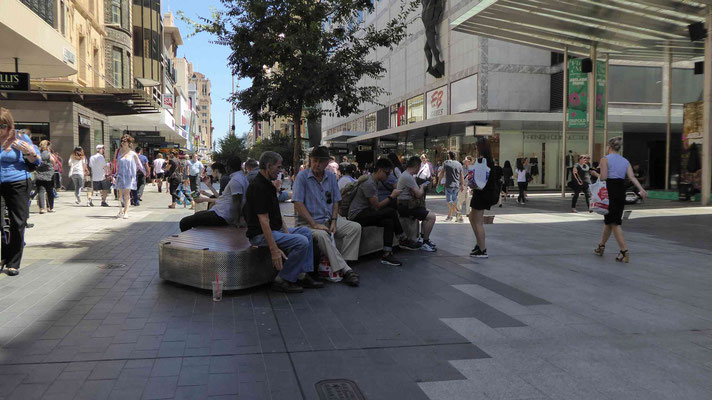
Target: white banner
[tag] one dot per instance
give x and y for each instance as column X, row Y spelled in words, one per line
column 437, row 102
column 168, row 100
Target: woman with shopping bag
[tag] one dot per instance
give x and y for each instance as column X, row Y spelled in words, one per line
column 614, row 169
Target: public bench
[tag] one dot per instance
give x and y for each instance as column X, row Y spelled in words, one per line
column 194, row 257
column 372, row 236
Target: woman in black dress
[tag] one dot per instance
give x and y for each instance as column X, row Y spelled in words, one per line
column 483, row 199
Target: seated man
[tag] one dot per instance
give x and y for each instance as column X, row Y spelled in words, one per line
column 251, row 169
column 265, row 227
column 316, row 202
column 410, row 191
column 368, row 211
column 228, row 207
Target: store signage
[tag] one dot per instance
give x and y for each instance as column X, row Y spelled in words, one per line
column 578, row 96
column 693, row 120
column 555, row 137
column 84, row 121
column 14, row 81
column 168, row 100
column 69, row 57
column 470, row 130
column 463, row 95
column 437, row 102
column 484, row 130
column 362, row 147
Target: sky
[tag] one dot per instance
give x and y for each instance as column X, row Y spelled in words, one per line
column 211, row 60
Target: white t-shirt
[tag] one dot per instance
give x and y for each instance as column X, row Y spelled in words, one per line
column 158, row 165
column 237, row 185
column 521, row 175
column 98, row 164
column 76, row 166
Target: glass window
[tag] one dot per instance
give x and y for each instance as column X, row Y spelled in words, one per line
column 416, row 109
column 118, row 64
column 397, row 114
column 116, row 12
column 138, row 41
column 371, row 122
column 686, row 86
column 634, row 84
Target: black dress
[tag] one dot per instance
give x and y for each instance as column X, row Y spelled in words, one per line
column 616, row 201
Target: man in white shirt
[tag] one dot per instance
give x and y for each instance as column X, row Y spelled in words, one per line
column 158, row 170
column 99, row 176
column 196, row 168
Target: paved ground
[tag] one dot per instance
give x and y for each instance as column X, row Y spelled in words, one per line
column 541, row 319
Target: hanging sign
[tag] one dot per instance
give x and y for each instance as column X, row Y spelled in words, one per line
column 600, row 93
column 14, row 81
column 577, row 96
column 168, row 100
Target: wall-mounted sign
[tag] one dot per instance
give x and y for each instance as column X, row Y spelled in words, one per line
column 69, row 57
column 84, row 121
column 14, row 81
column 168, row 100
column 464, row 94
column 484, row 130
column 363, row 147
column 470, row 130
column 578, row 96
column 437, row 102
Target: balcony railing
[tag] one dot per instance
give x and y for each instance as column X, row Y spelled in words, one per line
column 43, row 8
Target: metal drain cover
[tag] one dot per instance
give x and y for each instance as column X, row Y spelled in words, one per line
column 338, row 389
column 112, row 266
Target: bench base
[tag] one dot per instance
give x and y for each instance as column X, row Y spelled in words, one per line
column 372, row 236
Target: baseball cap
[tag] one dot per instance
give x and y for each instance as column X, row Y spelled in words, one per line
column 99, row 146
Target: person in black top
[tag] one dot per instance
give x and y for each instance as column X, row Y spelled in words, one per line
column 266, row 228
column 173, row 176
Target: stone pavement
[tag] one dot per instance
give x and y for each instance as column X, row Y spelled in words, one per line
column 541, row 319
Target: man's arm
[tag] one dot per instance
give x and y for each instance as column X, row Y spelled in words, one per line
column 380, row 204
column 276, row 253
column 301, row 209
column 417, row 191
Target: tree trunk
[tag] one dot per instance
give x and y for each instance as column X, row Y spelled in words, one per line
column 297, row 119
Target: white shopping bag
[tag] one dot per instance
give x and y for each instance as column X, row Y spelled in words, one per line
column 599, row 197
column 325, row 269
column 478, row 174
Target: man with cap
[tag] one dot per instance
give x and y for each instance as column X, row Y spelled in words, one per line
column 316, row 199
column 99, row 176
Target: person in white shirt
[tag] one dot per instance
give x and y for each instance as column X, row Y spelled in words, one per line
column 78, row 169
column 99, row 176
column 196, row 168
column 158, row 165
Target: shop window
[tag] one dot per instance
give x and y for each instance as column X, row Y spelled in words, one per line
column 397, row 114
column 686, row 86
column 416, row 109
column 635, row 84
column 371, row 122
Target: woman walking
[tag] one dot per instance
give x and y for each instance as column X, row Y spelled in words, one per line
column 582, row 180
column 173, row 176
column 45, row 178
column 127, row 163
column 16, row 152
column 483, row 199
column 507, row 173
column 522, row 183
column 77, row 169
column 614, row 170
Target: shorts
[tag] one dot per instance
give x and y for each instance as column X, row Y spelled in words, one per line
column 451, row 194
column 419, row 213
column 160, row 175
column 101, row 185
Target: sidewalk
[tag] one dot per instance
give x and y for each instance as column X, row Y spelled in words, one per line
column 541, row 319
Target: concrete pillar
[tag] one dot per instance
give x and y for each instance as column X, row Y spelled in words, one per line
column 668, row 62
column 707, row 129
column 563, row 124
column 592, row 101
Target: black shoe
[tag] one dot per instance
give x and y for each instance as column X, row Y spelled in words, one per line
column 309, row 283
column 351, row 278
column 104, row 204
column 409, row 244
column 388, row 259
column 431, row 244
column 286, row 287
column 478, row 253
column 13, row 272
column 28, row 225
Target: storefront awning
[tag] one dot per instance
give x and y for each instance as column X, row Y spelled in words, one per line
column 626, row 30
column 342, row 136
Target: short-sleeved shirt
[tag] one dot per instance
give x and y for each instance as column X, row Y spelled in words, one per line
column 318, row 197
column 13, row 167
column 453, row 172
column 76, row 166
column 143, row 159
column 345, row 180
column 98, row 165
column 196, row 167
column 405, row 183
column 360, row 201
column 158, row 165
column 237, row 185
column 262, row 199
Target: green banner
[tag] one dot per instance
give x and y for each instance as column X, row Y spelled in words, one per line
column 577, row 95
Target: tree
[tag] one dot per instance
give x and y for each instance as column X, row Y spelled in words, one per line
column 282, row 144
column 301, row 54
column 231, row 146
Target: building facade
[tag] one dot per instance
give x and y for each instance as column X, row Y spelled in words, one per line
column 118, row 45
column 204, row 105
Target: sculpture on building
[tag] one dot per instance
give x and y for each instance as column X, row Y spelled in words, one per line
column 432, row 12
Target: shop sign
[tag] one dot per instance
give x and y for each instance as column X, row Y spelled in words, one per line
column 14, row 81
column 484, row 130
column 168, row 100
column 552, row 137
column 578, row 96
column 84, row 121
column 69, row 57
column 363, row 147
column 437, row 102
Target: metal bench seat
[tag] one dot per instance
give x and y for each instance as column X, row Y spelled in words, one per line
column 194, row 257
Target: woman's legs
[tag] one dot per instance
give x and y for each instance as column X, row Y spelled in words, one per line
column 477, row 222
column 41, row 193
column 173, row 187
column 125, row 195
column 575, row 198
column 520, row 198
column 16, row 198
column 607, row 229
column 78, row 182
column 618, row 234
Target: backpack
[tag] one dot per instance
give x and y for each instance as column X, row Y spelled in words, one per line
column 348, row 193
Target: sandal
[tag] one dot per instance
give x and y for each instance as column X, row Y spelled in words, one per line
column 599, row 250
column 623, row 256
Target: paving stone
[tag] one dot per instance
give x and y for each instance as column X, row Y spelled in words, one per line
column 160, row 388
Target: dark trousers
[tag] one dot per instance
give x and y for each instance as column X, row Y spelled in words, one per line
column 386, row 217
column 193, row 183
column 137, row 194
column 173, row 188
column 45, row 188
column 578, row 191
column 522, row 187
column 201, row 218
column 16, row 197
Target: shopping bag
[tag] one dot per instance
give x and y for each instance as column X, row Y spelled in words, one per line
column 325, row 269
column 478, row 175
column 599, row 197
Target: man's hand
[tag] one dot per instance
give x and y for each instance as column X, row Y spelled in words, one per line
column 205, row 193
column 332, row 227
column 205, row 179
column 462, row 188
column 395, row 193
column 200, row 199
column 277, row 256
column 320, row 226
column 24, row 148
column 643, row 193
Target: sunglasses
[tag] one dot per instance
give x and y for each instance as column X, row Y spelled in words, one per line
column 328, row 197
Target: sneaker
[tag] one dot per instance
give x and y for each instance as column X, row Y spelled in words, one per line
column 478, row 253
column 428, row 248
column 90, row 204
column 309, row 283
column 420, row 240
column 448, row 218
column 286, row 287
column 104, row 204
column 460, row 219
column 388, row 259
column 409, row 244
column 431, row 244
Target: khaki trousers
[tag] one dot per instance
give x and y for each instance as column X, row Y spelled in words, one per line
column 348, row 240
column 463, row 202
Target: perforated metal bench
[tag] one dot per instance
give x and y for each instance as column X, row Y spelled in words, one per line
column 194, row 257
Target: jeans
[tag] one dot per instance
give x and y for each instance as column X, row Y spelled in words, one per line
column 137, row 195
column 173, row 188
column 451, row 194
column 45, row 188
column 297, row 245
column 385, row 217
column 15, row 196
column 78, row 181
column 193, row 183
column 201, row 218
column 583, row 189
column 522, row 187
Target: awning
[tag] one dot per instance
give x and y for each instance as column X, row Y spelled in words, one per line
column 625, row 29
column 342, row 136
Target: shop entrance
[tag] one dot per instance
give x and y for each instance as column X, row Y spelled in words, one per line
column 656, row 165
column 85, row 139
